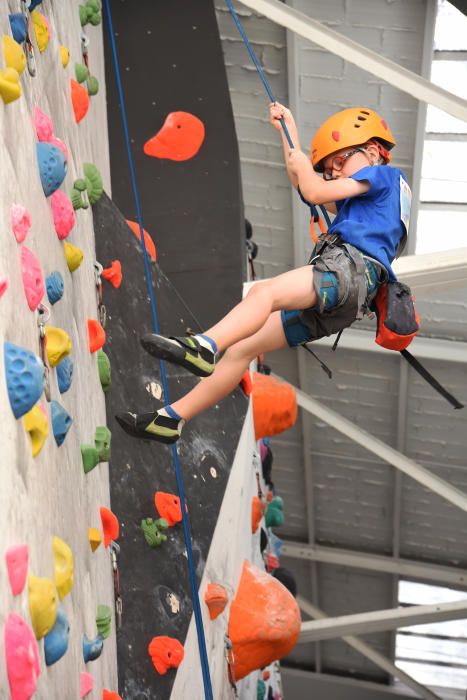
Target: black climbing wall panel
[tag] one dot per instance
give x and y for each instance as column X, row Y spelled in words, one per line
column 154, row 582
column 171, row 60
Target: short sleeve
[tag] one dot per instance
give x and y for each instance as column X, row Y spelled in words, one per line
column 379, row 177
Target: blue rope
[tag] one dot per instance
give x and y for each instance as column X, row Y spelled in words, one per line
column 178, row 473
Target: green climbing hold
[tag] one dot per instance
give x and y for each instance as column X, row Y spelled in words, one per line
column 90, row 13
column 102, row 441
column 260, row 690
column 103, row 365
column 76, row 198
column 94, row 184
column 152, row 531
column 104, row 620
column 90, row 457
column 93, row 85
column 81, row 72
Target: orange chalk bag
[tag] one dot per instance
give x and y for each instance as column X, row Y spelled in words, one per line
column 397, row 320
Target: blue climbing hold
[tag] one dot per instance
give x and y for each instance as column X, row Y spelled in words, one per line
column 33, row 4
column 24, row 378
column 92, row 648
column 55, row 286
column 18, row 27
column 52, row 166
column 64, row 374
column 56, row 641
column 61, row 422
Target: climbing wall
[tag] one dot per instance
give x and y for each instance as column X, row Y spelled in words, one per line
column 49, row 495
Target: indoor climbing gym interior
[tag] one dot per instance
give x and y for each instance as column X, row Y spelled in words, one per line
column 233, row 318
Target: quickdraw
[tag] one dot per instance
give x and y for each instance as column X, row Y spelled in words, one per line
column 27, row 44
column 114, row 552
column 230, row 661
column 43, row 315
column 101, row 310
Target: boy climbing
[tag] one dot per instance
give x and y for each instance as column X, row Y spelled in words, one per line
column 371, row 201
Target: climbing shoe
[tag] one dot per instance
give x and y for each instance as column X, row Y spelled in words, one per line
column 187, row 352
column 157, row 426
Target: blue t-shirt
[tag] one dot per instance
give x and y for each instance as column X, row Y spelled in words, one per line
column 376, row 221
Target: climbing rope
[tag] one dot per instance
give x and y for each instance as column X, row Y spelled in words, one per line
column 178, row 473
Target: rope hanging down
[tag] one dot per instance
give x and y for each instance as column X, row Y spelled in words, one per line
column 178, row 473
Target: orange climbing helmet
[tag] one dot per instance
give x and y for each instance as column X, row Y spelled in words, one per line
column 350, row 127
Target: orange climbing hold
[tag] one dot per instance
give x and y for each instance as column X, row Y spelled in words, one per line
column 110, row 525
column 110, row 695
column 79, row 100
column 168, row 507
column 150, row 247
column 266, row 675
column 165, row 652
column 180, row 137
column 264, row 623
column 113, row 274
column 274, row 405
column 257, row 512
column 246, row 383
column 96, row 335
column 216, row 598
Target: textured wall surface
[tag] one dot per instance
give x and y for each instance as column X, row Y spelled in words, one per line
column 50, row 495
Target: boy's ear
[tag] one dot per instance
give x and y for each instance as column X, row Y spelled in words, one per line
column 373, row 151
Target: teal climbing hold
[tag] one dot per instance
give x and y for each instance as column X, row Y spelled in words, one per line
column 55, row 286
column 153, row 531
column 64, row 374
column 61, row 422
column 260, row 690
column 24, row 377
column 104, row 620
column 56, row 641
column 92, row 648
column 103, row 365
column 274, row 516
column 52, row 166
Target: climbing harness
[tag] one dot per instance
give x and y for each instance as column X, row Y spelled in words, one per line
column 114, row 552
column 27, row 44
column 178, row 472
column 101, row 310
column 230, row 661
column 43, row 315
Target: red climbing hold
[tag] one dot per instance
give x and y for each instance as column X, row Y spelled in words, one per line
column 110, row 525
column 246, row 383
column 216, row 599
column 96, row 335
column 113, row 274
column 110, row 695
column 165, row 652
column 150, row 247
column 257, row 512
column 79, row 100
column 3, row 286
column 180, row 138
column 168, row 507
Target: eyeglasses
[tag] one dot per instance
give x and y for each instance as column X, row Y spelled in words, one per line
column 338, row 162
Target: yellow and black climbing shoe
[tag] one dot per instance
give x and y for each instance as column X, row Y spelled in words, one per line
column 157, row 426
column 187, row 352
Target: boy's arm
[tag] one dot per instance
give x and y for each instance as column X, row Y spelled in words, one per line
column 319, row 191
column 276, row 112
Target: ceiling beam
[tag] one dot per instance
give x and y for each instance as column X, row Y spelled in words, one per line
column 364, row 58
column 406, row 568
column 378, row 659
column 381, row 620
column 430, row 272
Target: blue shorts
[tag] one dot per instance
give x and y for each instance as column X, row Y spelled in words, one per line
column 296, row 332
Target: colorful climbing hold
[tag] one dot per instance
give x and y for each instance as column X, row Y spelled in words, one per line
column 43, row 125
column 52, row 166
column 74, row 256
column 56, row 641
column 20, row 221
column 17, row 561
column 58, row 345
column 93, row 85
column 18, row 26
column 90, row 13
column 104, row 620
column 64, row 375
column 92, row 648
column 41, row 29
column 55, row 286
column 89, row 457
column 257, row 512
column 110, row 695
column 149, row 243
column 14, row 54
column 24, row 377
column 86, row 684
column 22, row 658
column 94, row 185
column 42, row 605
column 216, row 598
column 180, row 137
column 166, row 653
column 4, row 286
column 153, row 531
column 55, row 141
column 113, row 274
column 79, row 100
column 94, row 538
column 96, row 335
column 81, row 72
column 36, row 424
column 63, row 214
column 61, row 422
column 274, row 513
column 102, row 441
column 168, row 507
column 10, row 89
column 260, row 689
column 103, row 366
column 64, row 55
column 33, row 281
column 274, row 405
column 246, row 383
column 110, row 525
column 63, row 567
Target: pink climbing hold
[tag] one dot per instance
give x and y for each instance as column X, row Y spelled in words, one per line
column 86, row 684
column 63, row 213
column 33, row 280
column 43, row 125
column 17, row 561
column 22, row 659
column 3, row 286
column 55, row 141
column 20, row 222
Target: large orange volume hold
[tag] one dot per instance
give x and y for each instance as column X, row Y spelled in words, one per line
column 264, row 623
column 274, row 405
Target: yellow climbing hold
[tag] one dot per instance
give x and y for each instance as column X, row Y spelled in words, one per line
column 14, row 54
column 42, row 605
column 64, row 55
column 74, row 256
column 41, row 29
column 94, row 538
column 37, row 425
column 10, row 89
column 63, row 567
column 58, row 345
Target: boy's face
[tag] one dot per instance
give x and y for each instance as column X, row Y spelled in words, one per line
column 348, row 161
